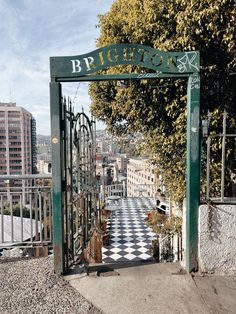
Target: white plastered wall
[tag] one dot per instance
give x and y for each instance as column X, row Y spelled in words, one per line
column 217, row 239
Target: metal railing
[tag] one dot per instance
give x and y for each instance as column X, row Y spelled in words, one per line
column 170, row 248
column 116, row 189
column 218, row 162
column 142, row 189
column 25, row 211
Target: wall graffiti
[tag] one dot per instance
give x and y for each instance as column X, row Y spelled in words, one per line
column 188, row 63
column 195, row 82
column 148, row 75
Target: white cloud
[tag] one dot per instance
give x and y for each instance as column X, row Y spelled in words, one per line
column 31, row 32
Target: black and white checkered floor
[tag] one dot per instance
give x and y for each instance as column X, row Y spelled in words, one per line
column 130, row 237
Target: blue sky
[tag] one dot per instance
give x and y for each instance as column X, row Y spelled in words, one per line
column 32, row 31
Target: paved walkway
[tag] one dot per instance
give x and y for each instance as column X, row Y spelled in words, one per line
column 154, row 288
column 130, row 237
column 131, row 283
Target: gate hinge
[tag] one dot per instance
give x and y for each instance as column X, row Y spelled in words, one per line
column 62, row 124
column 63, row 185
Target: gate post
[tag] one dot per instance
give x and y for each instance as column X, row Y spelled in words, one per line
column 193, row 172
column 57, row 177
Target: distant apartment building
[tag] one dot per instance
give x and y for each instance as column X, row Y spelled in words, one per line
column 122, row 161
column 142, row 178
column 44, row 167
column 102, row 146
column 17, row 140
column 106, row 146
column 44, row 151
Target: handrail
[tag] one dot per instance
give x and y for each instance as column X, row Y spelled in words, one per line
column 25, row 212
column 25, row 177
column 171, row 251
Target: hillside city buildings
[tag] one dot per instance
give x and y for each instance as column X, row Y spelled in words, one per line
column 113, row 166
column 44, row 154
column 142, row 178
column 139, row 177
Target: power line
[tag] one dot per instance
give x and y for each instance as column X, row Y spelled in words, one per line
column 77, row 89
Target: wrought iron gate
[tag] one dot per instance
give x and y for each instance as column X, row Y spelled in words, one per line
column 159, row 65
column 79, row 197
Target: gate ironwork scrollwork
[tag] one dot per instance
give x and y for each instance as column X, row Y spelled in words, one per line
column 156, row 64
column 80, row 196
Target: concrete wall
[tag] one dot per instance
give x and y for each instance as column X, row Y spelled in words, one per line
column 217, row 239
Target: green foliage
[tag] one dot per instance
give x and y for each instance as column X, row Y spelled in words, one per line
column 16, row 211
column 157, row 108
column 162, row 224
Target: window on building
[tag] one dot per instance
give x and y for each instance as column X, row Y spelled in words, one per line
column 15, row 155
column 14, row 131
column 15, row 167
column 14, row 124
column 15, row 161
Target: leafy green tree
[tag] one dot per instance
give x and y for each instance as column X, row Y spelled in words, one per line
column 157, row 108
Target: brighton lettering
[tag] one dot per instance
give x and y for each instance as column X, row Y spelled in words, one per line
column 76, row 64
column 122, row 55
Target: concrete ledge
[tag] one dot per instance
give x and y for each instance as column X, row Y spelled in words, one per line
column 145, row 289
column 158, row 288
column 217, row 239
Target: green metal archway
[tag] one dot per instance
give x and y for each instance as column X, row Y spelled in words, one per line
column 162, row 65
